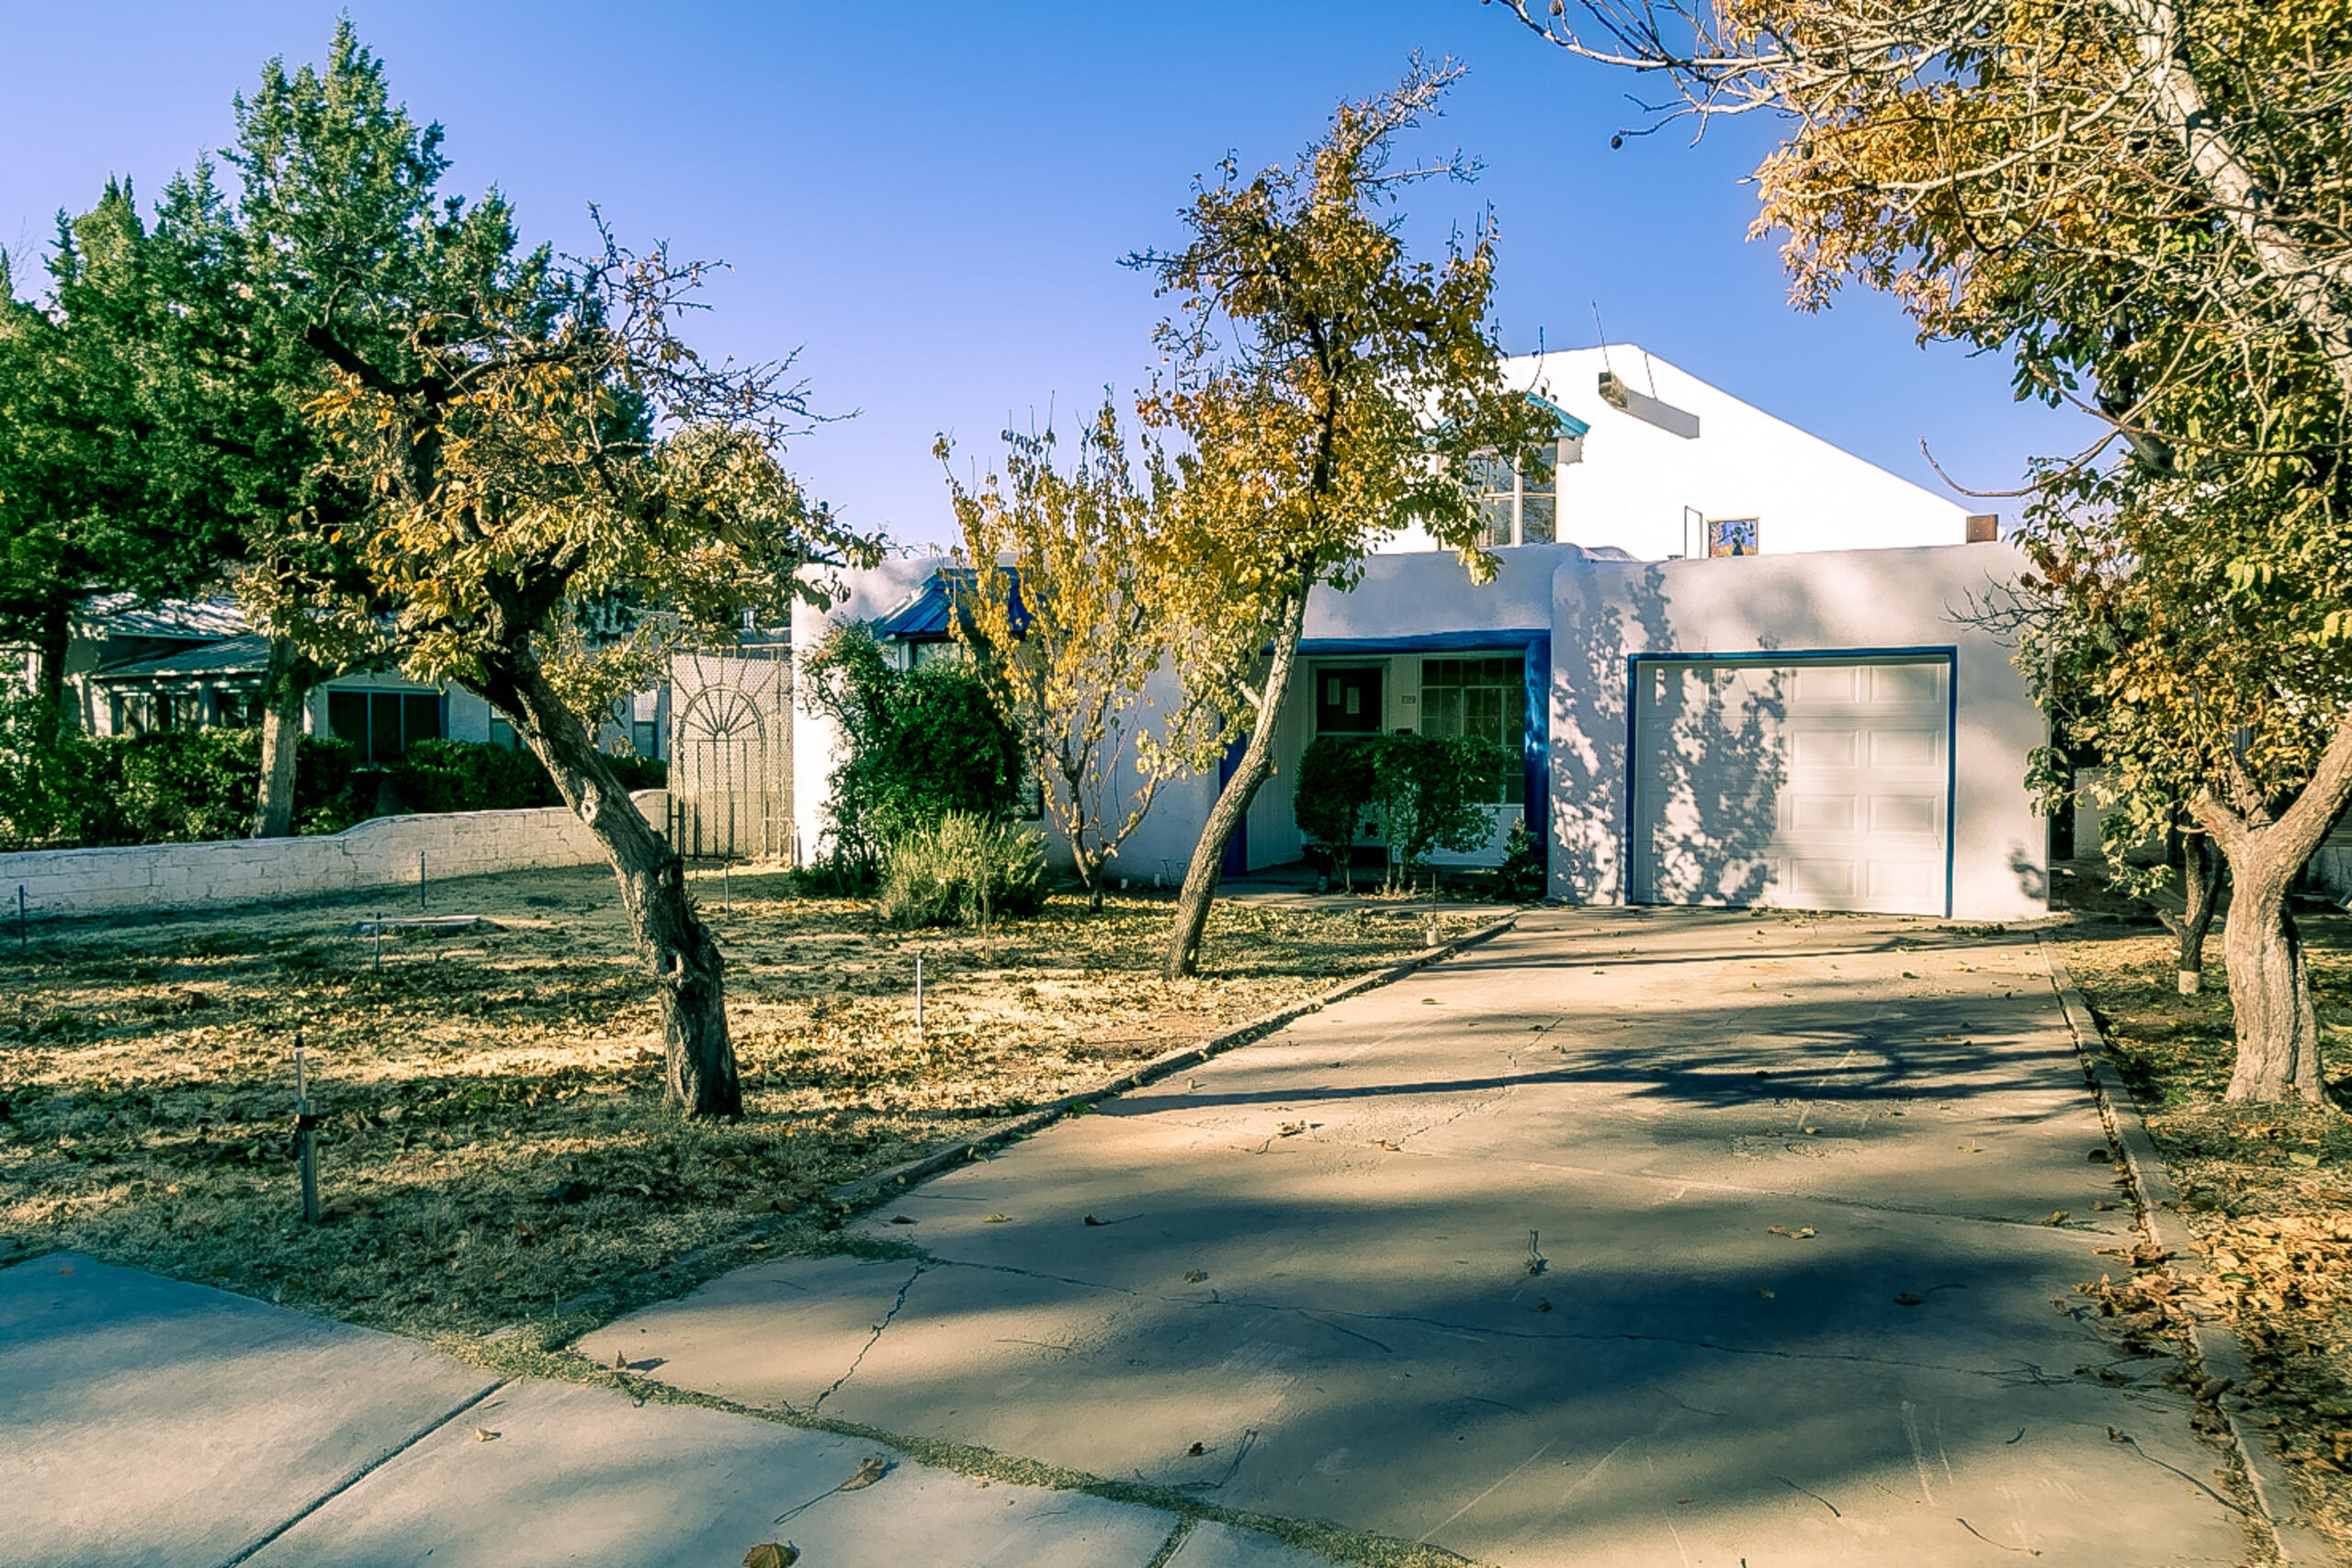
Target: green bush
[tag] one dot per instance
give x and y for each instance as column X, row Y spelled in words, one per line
column 917, row 745
column 471, row 775
column 1432, row 793
column 1519, row 880
column 637, row 772
column 65, row 789
column 964, row 869
column 1333, row 795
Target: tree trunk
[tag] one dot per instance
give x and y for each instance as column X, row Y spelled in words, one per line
column 2200, row 886
column 284, row 686
column 1201, row 872
column 2270, row 982
column 54, row 639
column 699, row 1077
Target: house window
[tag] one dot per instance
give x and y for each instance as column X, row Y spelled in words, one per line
column 382, row 726
column 641, row 737
column 134, row 713
column 1730, row 536
column 1519, row 503
column 1482, row 699
column 501, row 732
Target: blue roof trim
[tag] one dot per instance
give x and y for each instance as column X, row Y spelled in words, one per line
column 1570, row 425
column 924, row 615
column 1513, row 639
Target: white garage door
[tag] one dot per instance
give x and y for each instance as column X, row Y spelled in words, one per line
column 1812, row 786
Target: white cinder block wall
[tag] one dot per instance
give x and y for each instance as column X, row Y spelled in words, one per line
column 379, row 852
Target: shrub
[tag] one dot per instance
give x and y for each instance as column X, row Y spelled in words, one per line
column 1432, row 793
column 637, row 772
column 964, row 869
column 65, row 788
column 1332, row 799
column 917, row 745
column 472, row 775
column 1519, row 880
column 48, row 775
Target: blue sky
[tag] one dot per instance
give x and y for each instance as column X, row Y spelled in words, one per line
column 929, row 203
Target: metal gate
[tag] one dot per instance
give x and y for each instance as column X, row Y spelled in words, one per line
column 730, row 754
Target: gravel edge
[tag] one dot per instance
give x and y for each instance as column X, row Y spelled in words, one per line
column 2295, row 1539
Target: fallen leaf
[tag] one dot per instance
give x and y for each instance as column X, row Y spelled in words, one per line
column 1764, row 1292
column 1093, row 1221
column 1194, row 1277
column 2101, row 1204
column 1800, row 1234
column 996, row 1219
column 902, row 1219
column 1392, row 1148
column 620, row 1360
column 1197, row 1449
column 1428, row 1002
column 2057, row 1217
column 2308, row 1162
column 1908, row 1299
column 1542, row 1306
column 2101, row 1156
column 1289, row 1129
column 869, row 1471
column 484, row 1435
column 771, row 1554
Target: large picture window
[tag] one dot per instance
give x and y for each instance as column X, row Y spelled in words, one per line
column 1482, row 699
column 1519, row 503
column 381, row 726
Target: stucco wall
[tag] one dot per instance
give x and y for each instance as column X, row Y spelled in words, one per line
column 1876, row 599
column 380, row 853
column 1636, row 478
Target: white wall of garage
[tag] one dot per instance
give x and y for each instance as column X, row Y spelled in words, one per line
column 1830, row 600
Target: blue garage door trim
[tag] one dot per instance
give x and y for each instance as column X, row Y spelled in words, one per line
column 1947, row 652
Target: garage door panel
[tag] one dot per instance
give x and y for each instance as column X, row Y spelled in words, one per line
column 1804, row 787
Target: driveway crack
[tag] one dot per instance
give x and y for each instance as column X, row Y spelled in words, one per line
column 876, row 1339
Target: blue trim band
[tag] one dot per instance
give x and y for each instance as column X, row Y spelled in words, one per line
column 1427, row 642
column 1536, row 755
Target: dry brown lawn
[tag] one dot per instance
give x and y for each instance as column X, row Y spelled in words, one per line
column 494, row 1144
column 2268, row 1189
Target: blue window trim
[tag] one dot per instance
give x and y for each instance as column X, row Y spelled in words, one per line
column 1774, row 659
column 1499, row 641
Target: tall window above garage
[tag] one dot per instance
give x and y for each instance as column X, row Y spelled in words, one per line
column 1482, row 698
column 1519, row 503
column 381, row 726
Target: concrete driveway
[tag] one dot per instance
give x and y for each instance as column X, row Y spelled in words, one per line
column 1631, row 1237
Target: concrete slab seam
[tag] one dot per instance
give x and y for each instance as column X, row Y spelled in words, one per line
column 866, row 1188
column 364, row 1471
column 2293, row 1536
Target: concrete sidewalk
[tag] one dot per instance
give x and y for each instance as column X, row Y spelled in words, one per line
column 145, row 1421
column 1631, row 1237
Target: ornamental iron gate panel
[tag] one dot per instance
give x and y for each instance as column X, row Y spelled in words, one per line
column 730, row 754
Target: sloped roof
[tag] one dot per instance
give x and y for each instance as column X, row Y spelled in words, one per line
column 922, row 615
column 122, row 614
column 247, row 655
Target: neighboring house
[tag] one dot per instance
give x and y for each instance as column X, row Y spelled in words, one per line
column 1804, row 716
column 132, row 669
column 1656, row 462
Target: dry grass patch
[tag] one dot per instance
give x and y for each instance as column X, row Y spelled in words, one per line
column 493, row 1140
column 2268, row 1189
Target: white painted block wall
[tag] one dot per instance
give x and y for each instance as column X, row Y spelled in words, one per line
column 379, row 852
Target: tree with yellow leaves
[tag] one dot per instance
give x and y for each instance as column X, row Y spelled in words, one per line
column 1065, row 608
column 2143, row 203
column 563, row 491
column 1328, row 388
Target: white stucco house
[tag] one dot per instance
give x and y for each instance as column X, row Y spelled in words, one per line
column 1738, row 666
